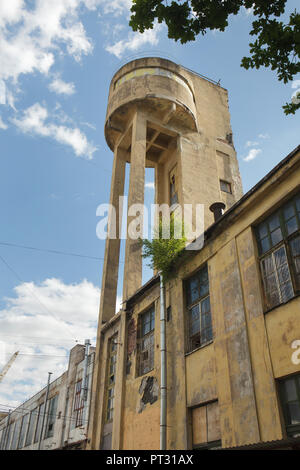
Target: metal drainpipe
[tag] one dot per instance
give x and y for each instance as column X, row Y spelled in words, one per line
column 45, row 409
column 163, row 369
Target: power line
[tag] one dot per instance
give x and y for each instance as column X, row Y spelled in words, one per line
column 41, row 355
column 56, row 252
column 19, row 409
column 36, row 337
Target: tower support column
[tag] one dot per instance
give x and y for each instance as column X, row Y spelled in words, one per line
column 108, row 293
column 112, row 247
column 133, row 252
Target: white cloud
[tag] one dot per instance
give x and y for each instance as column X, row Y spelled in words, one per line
column 251, row 143
column 296, row 83
column 149, row 185
column 253, row 153
column 35, row 121
column 11, row 12
column 263, row 136
column 44, row 318
column 88, row 124
column 248, row 11
column 61, row 87
column 134, row 41
column 115, row 7
column 2, row 124
column 2, row 92
column 31, row 38
column 296, row 96
column 75, row 138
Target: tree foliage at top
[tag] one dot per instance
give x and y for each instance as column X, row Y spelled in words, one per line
column 276, row 44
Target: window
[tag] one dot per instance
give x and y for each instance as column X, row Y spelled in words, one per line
column 173, row 187
column 278, row 240
column 198, row 306
column 3, row 431
column 23, row 431
column 39, row 423
column 15, row 436
column 51, row 416
column 206, row 426
column 225, row 186
column 111, row 378
column 290, row 400
column 146, row 341
column 31, row 427
column 78, row 404
column 8, row 436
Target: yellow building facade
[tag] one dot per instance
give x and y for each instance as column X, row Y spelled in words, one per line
column 233, row 306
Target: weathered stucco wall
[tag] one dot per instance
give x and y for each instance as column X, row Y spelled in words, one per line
column 283, row 328
column 250, row 348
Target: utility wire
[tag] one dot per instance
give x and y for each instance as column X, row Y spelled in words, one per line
column 56, row 252
column 36, row 337
column 41, row 355
column 19, row 409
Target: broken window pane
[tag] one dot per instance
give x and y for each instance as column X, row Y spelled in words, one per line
column 276, row 278
column 199, row 315
column 146, row 342
column 110, row 379
column 295, row 252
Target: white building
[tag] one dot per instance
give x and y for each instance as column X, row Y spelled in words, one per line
column 65, row 421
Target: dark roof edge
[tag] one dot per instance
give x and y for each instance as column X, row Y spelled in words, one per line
column 154, row 280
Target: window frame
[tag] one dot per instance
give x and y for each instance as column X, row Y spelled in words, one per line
column 173, row 186
column 189, row 306
column 225, row 184
column 15, row 434
column 23, row 431
column 150, row 335
column 112, row 351
column 31, row 427
column 51, row 416
column 39, row 419
column 285, row 242
column 289, row 428
column 78, row 403
column 216, row 443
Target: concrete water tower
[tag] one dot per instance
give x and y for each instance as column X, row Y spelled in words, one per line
column 164, row 116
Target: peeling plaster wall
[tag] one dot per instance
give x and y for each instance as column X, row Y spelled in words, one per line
column 141, row 410
column 250, row 349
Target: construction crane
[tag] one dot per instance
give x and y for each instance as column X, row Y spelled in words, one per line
column 8, row 365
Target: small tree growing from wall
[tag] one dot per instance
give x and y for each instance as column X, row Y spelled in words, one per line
column 163, row 251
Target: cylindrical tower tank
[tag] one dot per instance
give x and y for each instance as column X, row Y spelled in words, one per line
column 160, row 86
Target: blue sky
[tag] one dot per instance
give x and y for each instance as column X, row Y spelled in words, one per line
column 58, row 57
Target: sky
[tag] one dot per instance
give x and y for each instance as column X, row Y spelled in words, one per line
column 57, row 58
